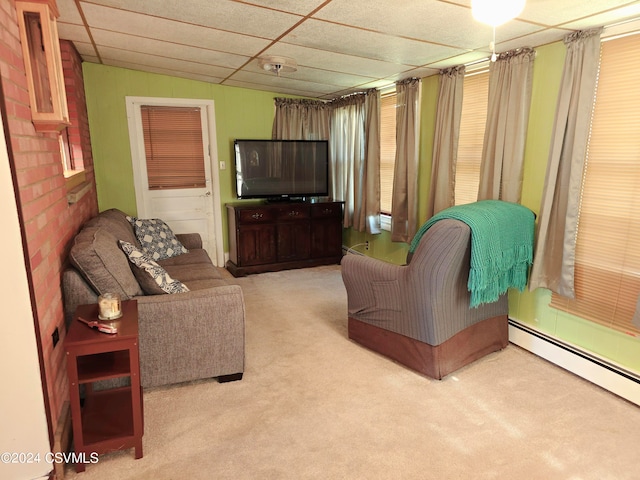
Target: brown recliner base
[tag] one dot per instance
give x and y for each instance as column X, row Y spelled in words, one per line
column 470, row 344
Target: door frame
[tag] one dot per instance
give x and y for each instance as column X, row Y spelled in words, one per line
column 136, row 140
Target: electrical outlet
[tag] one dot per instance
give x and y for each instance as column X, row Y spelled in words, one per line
column 366, row 245
column 223, row 165
column 55, row 337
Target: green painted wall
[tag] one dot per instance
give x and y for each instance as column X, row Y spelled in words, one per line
column 249, row 114
column 240, row 113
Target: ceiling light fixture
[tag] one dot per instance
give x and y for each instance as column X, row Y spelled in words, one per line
column 496, row 13
column 277, row 64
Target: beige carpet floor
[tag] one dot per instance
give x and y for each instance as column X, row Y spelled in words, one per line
column 314, row 405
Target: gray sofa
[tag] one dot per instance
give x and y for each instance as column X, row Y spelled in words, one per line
column 183, row 336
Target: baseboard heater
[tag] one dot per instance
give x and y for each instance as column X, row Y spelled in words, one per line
column 597, row 370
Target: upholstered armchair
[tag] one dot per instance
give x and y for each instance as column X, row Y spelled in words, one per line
column 419, row 314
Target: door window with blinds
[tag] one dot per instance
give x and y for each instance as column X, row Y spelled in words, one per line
column 607, row 264
column 173, row 147
column 472, row 126
column 387, row 149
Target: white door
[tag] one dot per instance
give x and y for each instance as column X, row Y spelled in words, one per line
column 185, row 210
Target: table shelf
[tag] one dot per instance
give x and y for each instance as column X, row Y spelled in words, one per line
column 103, row 366
column 107, row 415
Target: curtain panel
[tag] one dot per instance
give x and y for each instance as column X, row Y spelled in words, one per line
column 510, row 80
column 447, row 133
column 404, row 203
column 355, row 159
column 301, row 119
column 554, row 260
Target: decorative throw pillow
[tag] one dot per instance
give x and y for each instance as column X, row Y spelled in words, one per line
column 157, row 238
column 153, row 279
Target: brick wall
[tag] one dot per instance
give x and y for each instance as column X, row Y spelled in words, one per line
column 49, row 222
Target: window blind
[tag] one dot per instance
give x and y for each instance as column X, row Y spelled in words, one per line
column 607, row 272
column 472, row 125
column 173, row 147
column 387, row 149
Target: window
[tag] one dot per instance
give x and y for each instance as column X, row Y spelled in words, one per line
column 43, row 65
column 65, row 153
column 387, row 149
column 173, row 147
column 607, row 273
column 472, row 126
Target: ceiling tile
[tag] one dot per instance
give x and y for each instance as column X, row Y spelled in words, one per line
column 367, row 44
column 75, row 33
column 164, row 71
column 104, row 38
column 336, row 62
column 336, row 79
column 341, row 46
column 283, row 81
column 171, row 31
column 222, row 14
column 554, row 12
column 109, row 53
column 607, row 18
column 69, row 11
column 300, row 7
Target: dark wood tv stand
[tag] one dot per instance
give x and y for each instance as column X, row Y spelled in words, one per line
column 279, row 236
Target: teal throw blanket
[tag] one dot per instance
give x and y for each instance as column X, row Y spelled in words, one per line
column 501, row 246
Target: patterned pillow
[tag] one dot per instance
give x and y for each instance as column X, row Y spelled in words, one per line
column 156, row 238
column 153, row 278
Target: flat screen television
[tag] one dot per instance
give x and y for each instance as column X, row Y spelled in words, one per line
column 282, row 169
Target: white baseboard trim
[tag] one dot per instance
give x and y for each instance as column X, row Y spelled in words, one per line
column 615, row 378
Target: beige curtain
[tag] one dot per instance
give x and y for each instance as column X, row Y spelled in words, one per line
column 554, row 259
column 355, row 159
column 506, row 129
column 369, row 218
column 301, row 119
column 404, row 204
column 445, row 147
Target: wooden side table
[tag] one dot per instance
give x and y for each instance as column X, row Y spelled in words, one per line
column 111, row 419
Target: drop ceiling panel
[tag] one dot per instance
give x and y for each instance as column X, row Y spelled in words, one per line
column 554, row 12
column 171, row 31
column 336, row 62
column 169, row 50
column 607, row 18
column 75, row 33
column 428, row 20
column 335, row 79
column 341, row 46
column 283, row 81
column 69, row 11
column 367, row 44
column 300, row 7
column 110, row 55
column 222, row 14
column 165, row 71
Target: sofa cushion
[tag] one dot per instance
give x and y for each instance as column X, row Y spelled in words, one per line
column 153, row 279
column 156, row 238
column 194, row 257
column 98, row 257
column 189, row 273
column 116, row 223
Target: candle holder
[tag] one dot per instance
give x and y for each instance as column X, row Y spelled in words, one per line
column 109, row 306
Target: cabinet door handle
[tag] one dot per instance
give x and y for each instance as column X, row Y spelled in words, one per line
column 327, row 211
column 257, row 216
column 294, row 213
